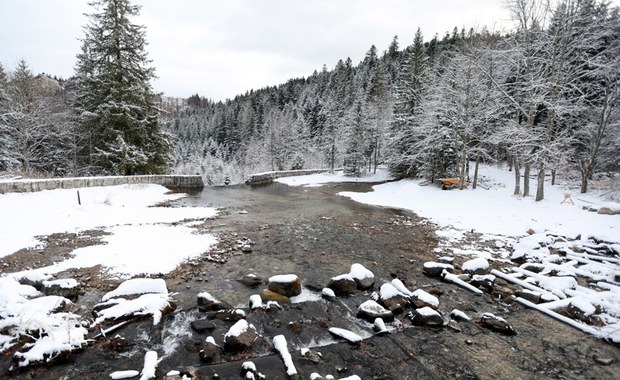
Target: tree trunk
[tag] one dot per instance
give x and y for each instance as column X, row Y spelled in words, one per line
column 526, row 178
column 509, row 159
column 475, row 184
column 585, row 174
column 553, row 172
column 540, row 185
column 517, row 176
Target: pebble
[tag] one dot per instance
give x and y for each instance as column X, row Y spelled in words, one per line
column 602, row 360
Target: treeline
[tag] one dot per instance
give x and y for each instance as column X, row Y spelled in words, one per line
column 543, row 97
column 104, row 120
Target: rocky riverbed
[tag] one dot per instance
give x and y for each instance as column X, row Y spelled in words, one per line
column 317, row 236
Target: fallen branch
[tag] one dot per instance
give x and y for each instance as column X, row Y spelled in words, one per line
column 456, row 280
column 559, row 317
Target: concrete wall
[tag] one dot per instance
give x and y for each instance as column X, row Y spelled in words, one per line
column 29, row 185
column 268, row 177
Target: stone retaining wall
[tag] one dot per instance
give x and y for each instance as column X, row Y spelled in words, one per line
column 30, row 185
column 268, row 177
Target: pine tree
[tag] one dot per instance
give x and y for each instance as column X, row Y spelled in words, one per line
column 115, row 103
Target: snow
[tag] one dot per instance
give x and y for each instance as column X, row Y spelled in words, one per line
column 146, row 304
column 256, row 302
column 279, row 343
column 238, row 328
column 380, row 325
column 387, row 291
column 372, row 307
column 65, row 283
column 496, row 210
column 248, row 366
column 306, row 296
column 359, row 272
column 426, row 297
column 284, row 278
column 124, row 374
column 479, row 263
column 327, row 292
column 56, row 211
column 398, row 284
column 459, row 314
column 584, row 305
column 313, row 180
column 427, row 312
column 150, row 365
column 138, row 286
column 346, row 334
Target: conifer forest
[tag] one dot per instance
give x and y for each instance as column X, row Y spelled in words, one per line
column 542, row 98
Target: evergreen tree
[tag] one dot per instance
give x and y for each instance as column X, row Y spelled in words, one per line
column 115, row 104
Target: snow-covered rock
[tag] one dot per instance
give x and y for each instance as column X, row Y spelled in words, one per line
column 149, row 371
column 207, row 302
column 154, row 305
column 328, row 293
column 426, row 316
column 393, row 300
column 371, row 310
column 398, row 284
column 343, row 285
column 345, row 334
column 477, row 265
column 137, row 286
column 240, row 336
column 65, row 287
column 458, row 315
column 364, row 278
column 209, row 351
column 421, row 298
column 379, row 326
column 434, row 269
column 288, row 285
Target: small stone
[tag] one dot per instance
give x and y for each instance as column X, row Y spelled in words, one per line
column 496, row 323
column 469, row 342
column 483, row 281
column 311, row 357
column 201, row 326
column 454, row 325
column 246, row 248
column 530, row 295
column 602, row 360
column 250, row 280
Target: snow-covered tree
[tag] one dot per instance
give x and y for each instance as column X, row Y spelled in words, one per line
column 115, row 104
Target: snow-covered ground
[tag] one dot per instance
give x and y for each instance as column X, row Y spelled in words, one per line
column 138, row 231
column 490, row 209
column 314, row 180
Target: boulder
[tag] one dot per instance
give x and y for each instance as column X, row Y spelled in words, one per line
column 364, row 278
column 240, row 336
column 426, row 316
column 288, row 285
column 343, row 285
column 392, row 299
column 497, row 324
column 206, row 302
column 66, row 287
column 201, row 326
column 581, row 309
column 209, row 352
column 371, row 310
column 485, row 281
column 434, row 269
column 420, row 298
column 268, row 295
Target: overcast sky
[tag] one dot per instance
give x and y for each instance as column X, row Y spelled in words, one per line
column 222, row 48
